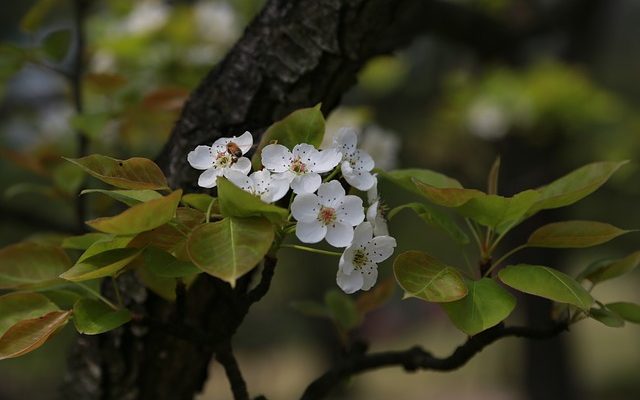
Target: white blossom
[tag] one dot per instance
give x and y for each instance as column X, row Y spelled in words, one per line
column 329, row 214
column 262, row 183
column 358, row 267
column 219, row 158
column 375, row 214
column 146, row 17
column 356, row 164
column 382, row 145
column 301, row 166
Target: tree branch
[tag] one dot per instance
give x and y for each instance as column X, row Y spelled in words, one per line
column 228, row 360
column 416, row 358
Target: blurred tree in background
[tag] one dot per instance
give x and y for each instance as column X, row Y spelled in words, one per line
column 548, row 85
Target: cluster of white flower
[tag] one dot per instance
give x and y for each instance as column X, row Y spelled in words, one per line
column 322, row 210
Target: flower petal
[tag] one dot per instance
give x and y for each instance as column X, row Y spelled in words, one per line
column 351, row 211
column 277, row 189
column 221, row 142
column 362, row 234
column 305, row 207
column 370, row 275
column 240, row 180
column 346, row 141
column 244, row 141
column 307, row 183
column 325, row 160
column 372, row 194
column 310, row 232
column 243, row 165
column 349, row 283
column 331, row 193
column 362, row 160
column 201, row 158
column 346, row 260
column 208, row 178
column 305, row 152
column 261, row 179
column 276, row 158
column 339, row 235
column 361, row 180
column 380, row 248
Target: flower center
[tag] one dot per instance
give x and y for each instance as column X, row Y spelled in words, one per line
column 298, row 167
column 360, row 259
column 223, row 159
column 327, row 215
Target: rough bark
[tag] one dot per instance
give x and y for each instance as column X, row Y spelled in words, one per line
column 294, row 54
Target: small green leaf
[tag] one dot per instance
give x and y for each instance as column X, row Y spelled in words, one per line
column 15, row 307
column 28, row 335
column 629, row 311
column 486, row 305
column 91, row 125
column 235, row 202
column 422, row 276
column 497, row 212
column 434, row 218
column 134, row 173
column 128, row 197
column 83, row 242
column 102, row 245
column 446, row 197
column 575, row 185
column 67, row 178
column 107, row 263
column 92, row 317
column 343, row 310
column 614, row 269
column 405, row 179
column 573, row 234
column 607, row 317
column 165, row 265
column 305, row 125
column 230, row 248
column 546, row 282
column 200, row 201
column 311, row 308
column 492, row 179
column 141, row 217
column 30, row 265
column 56, row 44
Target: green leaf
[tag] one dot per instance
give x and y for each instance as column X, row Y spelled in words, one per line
column 102, row 245
column 141, row 217
column 230, row 248
column 67, row 178
column 65, row 298
column 128, row 197
column 434, row 218
column 107, row 263
column 573, row 234
column 15, row 307
column 163, row 287
column 235, row 202
column 497, row 212
column 486, row 305
column 606, row 317
column 83, row 242
column 30, row 265
column 165, row 265
column 91, row 125
column 29, row 334
column 134, row 173
column 305, row 125
column 56, row 44
column 492, row 179
column 311, row 308
column 446, row 197
column 200, row 201
column 575, row 185
column 405, row 179
column 629, row 311
column 92, row 317
column 422, row 276
column 343, row 310
column 546, row 282
column 614, row 269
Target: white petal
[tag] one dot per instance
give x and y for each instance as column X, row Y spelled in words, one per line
column 369, row 275
column 351, row 211
column 305, row 207
column 244, row 141
column 325, row 160
column 372, row 212
column 278, row 188
column 380, row 227
column 345, row 141
column 208, row 178
column 243, row 165
column 346, row 260
column 350, row 283
column 339, row 235
column 361, row 180
column 331, row 193
column 362, row 234
column 305, row 152
column 240, row 180
column 276, row 158
column 307, row 183
column 201, row 158
column 221, row 142
column 261, row 179
column 362, row 160
column 310, row 232
column 372, row 194
column 380, row 248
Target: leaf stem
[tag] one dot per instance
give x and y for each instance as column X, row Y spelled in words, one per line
column 209, row 211
column 312, row 250
column 333, row 173
column 475, row 235
column 116, row 289
column 504, row 257
column 98, row 295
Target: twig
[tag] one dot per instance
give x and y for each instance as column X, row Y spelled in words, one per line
column 263, row 287
column 226, row 357
column 416, row 358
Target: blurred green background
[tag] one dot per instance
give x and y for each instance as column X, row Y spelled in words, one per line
column 570, row 97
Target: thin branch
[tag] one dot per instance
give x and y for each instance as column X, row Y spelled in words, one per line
column 228, row 360
column 265, row 282
column 416, row 358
